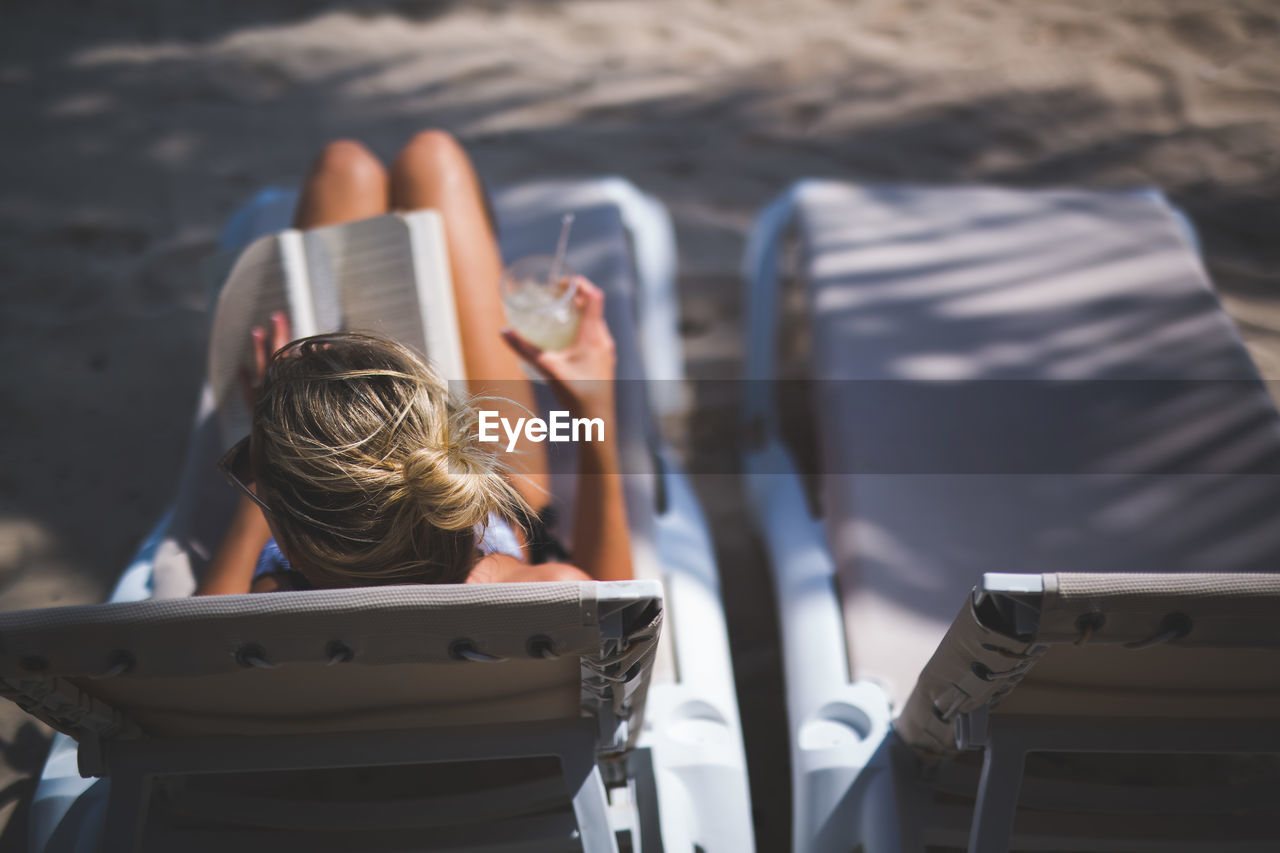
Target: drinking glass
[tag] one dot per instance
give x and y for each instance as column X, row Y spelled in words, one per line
column 541, row 310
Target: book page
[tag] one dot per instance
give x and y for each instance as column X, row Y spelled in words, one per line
column 362, row 280
column 388, row 276
column 439, row 313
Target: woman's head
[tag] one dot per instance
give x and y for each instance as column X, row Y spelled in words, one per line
column 371, row 467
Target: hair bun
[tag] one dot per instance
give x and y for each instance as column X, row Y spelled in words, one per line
column 451, row 487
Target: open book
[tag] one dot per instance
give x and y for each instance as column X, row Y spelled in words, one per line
column 387, row 276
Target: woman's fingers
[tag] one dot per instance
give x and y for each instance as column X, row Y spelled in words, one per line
column 524, row 348
column 280, row 336
column 266, row 343
column 544, row 362
column 591, row 301
column 280, row 333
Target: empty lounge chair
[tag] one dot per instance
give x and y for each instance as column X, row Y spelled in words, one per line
column 1004, row 383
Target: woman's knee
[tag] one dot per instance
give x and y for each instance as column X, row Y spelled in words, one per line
column 435, row 153
column 350, row 162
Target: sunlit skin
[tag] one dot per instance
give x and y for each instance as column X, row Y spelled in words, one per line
column 347, row 183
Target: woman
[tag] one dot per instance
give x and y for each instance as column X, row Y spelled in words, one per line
column 365, row 471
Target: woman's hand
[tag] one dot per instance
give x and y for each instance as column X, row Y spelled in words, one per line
column 266, row 343
column 581, row 374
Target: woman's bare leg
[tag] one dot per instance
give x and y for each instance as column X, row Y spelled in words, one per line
column 346, row 183
column 433, row 171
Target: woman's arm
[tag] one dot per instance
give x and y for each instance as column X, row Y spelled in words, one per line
column 231, row 570
column 601, row 538
column 582, row 378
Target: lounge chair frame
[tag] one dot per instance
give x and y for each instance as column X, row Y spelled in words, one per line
column 836, row 726
column 692, row 725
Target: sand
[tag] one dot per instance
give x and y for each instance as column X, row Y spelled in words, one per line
column 128, row 136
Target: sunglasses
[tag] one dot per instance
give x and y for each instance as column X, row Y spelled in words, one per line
column 239, row 473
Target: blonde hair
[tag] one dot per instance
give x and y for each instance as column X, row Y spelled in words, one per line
column 372, row 468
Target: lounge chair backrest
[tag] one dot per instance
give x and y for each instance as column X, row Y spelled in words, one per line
column 1202, row 647
column 389, row 658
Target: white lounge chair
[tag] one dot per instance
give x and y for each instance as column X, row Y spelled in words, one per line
column 677, row 782
column 180, row 702
column 1003, row 382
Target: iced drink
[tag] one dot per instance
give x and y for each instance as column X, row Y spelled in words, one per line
column 542, row 311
